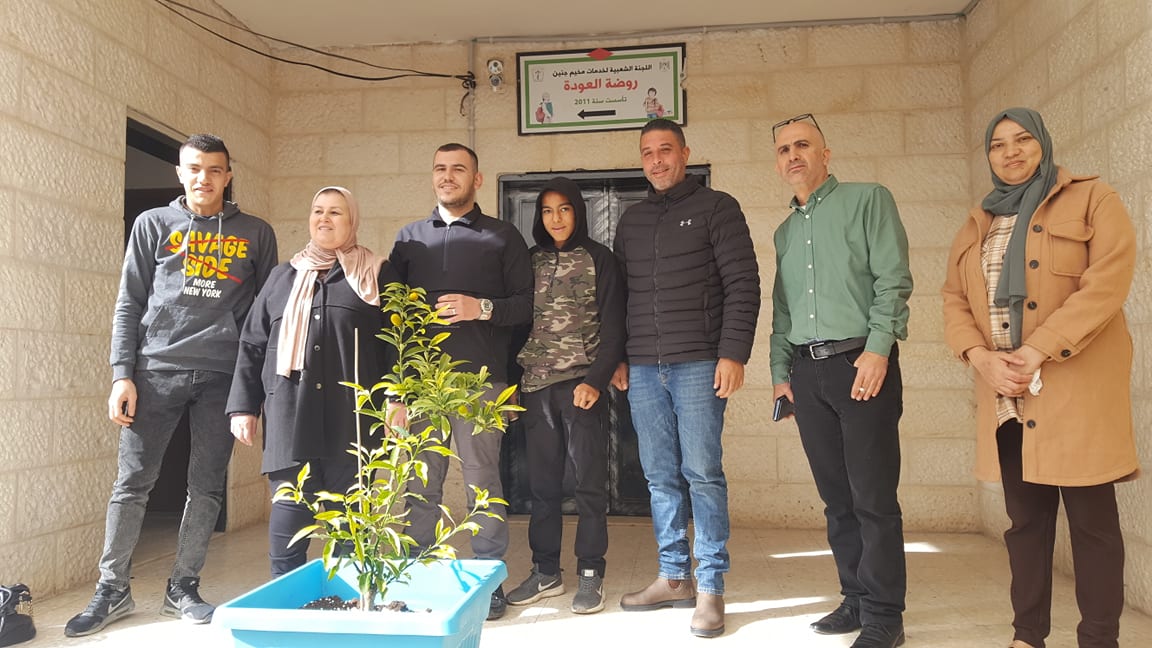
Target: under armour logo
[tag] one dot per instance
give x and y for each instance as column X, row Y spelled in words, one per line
column 685, row 223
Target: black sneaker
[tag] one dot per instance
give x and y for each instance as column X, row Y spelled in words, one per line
column 590, row 596
column 499, row 604
column 182, row 601
column 537, row 586
column 106, row 606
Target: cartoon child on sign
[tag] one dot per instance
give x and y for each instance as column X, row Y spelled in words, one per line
column 652, row 105
column 544, row 110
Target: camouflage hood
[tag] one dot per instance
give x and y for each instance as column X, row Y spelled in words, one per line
column 569, row 189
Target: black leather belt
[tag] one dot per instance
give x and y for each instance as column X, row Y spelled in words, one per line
column 828, row 348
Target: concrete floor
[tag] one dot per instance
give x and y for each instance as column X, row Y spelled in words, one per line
column 781, row 581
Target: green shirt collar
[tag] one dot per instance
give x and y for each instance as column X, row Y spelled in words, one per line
column 823, row 190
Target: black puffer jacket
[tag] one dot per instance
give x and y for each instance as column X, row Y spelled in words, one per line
column 693, row 280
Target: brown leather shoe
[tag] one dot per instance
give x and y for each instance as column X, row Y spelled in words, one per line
column 661, row 593
column 708, row 620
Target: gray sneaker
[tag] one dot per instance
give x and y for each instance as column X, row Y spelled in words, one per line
column 590, row 596
column 537, row 586
column 107, row 605
column 182, row 600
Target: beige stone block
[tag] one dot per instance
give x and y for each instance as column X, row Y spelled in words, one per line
column 755, row 185
column 934, row 131
column 319, row 112
column 913, row 86
column 1138, row 574
column 748, row 412
column 70, row 228
column 832, row 90
column 297, row 155
column 1121, row 21
column 993, row 517
column 791, row 461
column 88, row 303
column 77, row 552
column 10, row 221
column 729, row 97
column 11, row 81
column 31, row 561
column 986, row 67
column 938, row 462
column 936, row 41
column 49, row 35
column 748, row 52
column 73, row 110
column 865, row 44
column 361, row 154
column 287, row 77
column 1074, row 51
column 398, row 198
column 1037, row 26
column 1128, row 141
column 950, row 509
column 926, row 318
column 932, row 224
column 863, row 134
column 930, row 365
column 248, row 504
column 62, row 365
column 1137, row 72
column 123, row 22
column 928, row 270
column 749, row 457
column 11, row 360
column 10, row 528
column 603, row 150
column 77, row 495
column 854, row 170
column 791, row 506
column 924, row 178
column 29, row 309
column 60, row 169
column 418, row 148
column 979, row 25
column 83, row 432
column 403, row 110
column 939, row 413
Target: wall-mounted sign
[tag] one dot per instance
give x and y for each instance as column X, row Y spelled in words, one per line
column 600, row 89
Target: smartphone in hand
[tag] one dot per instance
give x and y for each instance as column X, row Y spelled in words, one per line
column 782, row 409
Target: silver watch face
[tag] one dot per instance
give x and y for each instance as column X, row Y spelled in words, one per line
column 486, row 305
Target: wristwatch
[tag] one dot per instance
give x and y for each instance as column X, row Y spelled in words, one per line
column 485, row 309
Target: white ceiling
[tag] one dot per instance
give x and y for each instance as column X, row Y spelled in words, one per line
column 372, row 22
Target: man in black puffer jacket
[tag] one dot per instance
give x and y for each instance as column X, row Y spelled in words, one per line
column 693, row 300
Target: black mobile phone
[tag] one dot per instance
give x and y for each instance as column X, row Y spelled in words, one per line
column 782, row 409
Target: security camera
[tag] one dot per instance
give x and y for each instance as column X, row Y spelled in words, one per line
column 495, row 66
column 496, row 80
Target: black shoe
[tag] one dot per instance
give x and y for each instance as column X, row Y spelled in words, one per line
column 499, row 604
column 878, row 635
column 106, row 606
column 16, row 615
column 182, row 600
column 842, row 620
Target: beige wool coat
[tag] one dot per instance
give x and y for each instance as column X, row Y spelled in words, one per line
column 1081, row 253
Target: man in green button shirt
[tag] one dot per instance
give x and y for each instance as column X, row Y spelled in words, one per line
column 840, row 303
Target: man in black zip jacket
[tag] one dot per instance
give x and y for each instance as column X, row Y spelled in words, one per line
column 477, row 269
column 693, row 301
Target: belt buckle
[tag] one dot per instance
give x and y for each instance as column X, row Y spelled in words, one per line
column 812, row 350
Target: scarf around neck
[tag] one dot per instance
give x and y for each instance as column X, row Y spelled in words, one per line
column 1022, row 199
column 361, row 270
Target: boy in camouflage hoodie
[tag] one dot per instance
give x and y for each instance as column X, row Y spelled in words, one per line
column 576, row 342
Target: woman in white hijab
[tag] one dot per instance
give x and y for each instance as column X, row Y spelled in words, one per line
column 297, row 345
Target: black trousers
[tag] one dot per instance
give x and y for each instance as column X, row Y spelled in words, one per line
column 853, row 448
column 1097, row 550
column 335, row 475
column 556, row 431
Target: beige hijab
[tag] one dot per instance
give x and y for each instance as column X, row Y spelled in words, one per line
column 361, row 269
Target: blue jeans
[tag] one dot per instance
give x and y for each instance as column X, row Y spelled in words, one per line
column 678, row 421
column 161, row 398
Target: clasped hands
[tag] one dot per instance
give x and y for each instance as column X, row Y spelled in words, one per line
column 1009, row 373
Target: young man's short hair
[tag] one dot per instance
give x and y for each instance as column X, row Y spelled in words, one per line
column 662, row 124
column 207, row 143
column 453, row 146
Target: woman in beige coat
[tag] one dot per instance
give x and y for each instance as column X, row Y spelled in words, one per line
column 1036, row 283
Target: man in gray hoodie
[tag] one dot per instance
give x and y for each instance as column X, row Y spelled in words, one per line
column 190, row 274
